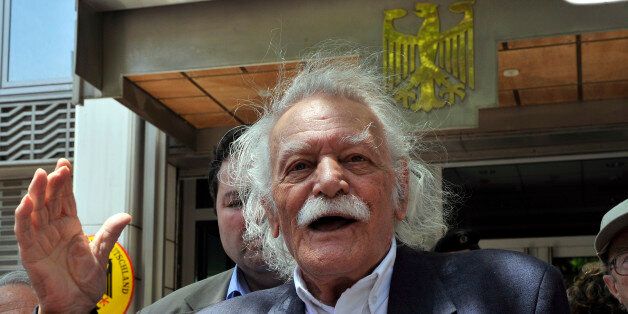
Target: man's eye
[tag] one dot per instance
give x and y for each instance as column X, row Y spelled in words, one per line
column 298, row 166
column 356, row 158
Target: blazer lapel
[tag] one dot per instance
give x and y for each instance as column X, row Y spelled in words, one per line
column 415, row 286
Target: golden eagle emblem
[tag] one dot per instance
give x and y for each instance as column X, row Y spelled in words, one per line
column 430, row 69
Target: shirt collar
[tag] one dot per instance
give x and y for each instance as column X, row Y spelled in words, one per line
column 367, row 295
column 237, row 284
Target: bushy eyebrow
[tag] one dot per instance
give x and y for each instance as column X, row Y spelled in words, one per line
column 365, row 137
column 290, row 148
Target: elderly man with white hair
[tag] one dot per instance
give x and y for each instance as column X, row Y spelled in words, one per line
column 349, row 211
column 343, row 208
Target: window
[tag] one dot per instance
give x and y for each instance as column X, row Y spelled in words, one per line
column 37, row 46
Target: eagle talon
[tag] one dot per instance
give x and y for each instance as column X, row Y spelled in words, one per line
column 450, row 91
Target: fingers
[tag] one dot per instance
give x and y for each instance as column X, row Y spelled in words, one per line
column 22, row 225
column 63, row 162
column 67, row 188
column 106, row 237
column 37, row 188
column 36, row 195
column 59, row 196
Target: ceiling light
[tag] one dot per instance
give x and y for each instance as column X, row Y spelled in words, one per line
column 511, row 72
column 578, row 2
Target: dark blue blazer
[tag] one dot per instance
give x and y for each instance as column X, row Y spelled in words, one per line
column 482, row 281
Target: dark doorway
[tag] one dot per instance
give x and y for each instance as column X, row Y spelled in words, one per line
column 545, row 199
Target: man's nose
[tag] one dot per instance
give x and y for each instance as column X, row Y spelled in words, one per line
column 331, row 179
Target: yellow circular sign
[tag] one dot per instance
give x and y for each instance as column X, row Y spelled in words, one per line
column 120, row 282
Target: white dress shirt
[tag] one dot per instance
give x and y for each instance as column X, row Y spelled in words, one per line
column 368, row 295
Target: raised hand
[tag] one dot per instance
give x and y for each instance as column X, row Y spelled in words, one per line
column 68, row 272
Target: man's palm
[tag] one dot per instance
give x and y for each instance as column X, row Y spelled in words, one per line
column 67, row 272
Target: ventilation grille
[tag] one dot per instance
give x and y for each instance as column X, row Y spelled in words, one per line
column 37, row 132
column 11, row 192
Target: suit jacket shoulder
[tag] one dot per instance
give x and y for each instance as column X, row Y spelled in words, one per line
column 482, row 281
column 194, row 296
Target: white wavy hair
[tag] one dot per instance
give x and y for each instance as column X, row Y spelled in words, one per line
column 250, row 165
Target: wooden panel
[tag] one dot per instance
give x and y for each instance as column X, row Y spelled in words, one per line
column 619, row 33
column 542, row 41
column 506, row 98
column 214, row 72
column 210, row 120
column 170, row 88
column 605, row 60
column 155, row 112
column 552, row 117
column 538, row 67
column 154, row 76
column 234, row 90
column 549, row 95
column 610, row 90
column 190, row 105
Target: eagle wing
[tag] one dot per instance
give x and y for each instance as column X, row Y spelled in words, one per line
column 400, row 50
column 455, row 46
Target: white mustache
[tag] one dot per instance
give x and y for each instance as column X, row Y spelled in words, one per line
column 349, row 206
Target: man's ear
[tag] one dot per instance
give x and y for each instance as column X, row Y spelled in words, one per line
column 273, row 218
column 611, row 284
column 403, row 177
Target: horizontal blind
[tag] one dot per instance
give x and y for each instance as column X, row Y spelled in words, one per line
column 11, row 193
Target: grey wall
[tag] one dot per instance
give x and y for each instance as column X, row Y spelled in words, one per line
column 227, row 33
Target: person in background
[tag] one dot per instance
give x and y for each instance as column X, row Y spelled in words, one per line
column 611, row 246
column 456, row 240
column 588, row 294
column 250, row 273
column 16, row 294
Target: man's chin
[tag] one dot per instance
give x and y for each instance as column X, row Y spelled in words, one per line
column 321, row 257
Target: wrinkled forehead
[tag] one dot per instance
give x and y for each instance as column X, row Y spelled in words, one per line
column 326, row 113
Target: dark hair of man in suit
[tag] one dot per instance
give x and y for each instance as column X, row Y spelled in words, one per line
column 221, row 153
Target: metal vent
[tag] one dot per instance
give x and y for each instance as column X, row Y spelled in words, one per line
column 36, row 132
column 11, row 192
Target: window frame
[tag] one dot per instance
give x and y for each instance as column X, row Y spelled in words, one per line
column 35, row 89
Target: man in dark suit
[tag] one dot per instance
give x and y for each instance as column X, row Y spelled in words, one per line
column 249, row 274
column 337, row 200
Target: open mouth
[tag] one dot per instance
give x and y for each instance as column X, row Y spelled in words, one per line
column 331, row 223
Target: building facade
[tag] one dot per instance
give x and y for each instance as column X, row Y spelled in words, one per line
column 537, row 148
